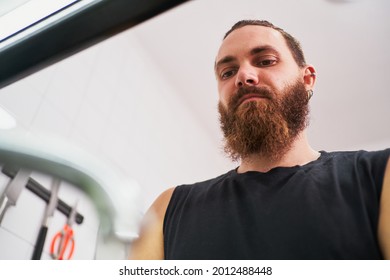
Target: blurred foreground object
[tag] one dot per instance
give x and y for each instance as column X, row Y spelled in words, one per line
column 114, row 196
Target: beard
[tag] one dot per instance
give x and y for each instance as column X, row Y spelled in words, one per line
column 266, row 126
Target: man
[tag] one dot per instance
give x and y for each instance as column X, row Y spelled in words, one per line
column 285, row 200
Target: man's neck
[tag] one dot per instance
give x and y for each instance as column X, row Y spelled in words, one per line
column 300, row 153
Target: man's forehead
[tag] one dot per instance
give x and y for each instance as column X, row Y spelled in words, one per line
column 248, row 37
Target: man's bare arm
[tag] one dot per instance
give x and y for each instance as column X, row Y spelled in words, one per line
column 384, row 215
column 150, row 244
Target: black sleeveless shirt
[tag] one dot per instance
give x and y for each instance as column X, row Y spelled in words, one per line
column 326, row 209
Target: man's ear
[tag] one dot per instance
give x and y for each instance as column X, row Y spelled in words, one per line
column 309, row 77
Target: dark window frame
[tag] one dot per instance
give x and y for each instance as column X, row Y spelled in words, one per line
column 90, row 25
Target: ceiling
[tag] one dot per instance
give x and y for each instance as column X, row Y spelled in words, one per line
column 346, row 41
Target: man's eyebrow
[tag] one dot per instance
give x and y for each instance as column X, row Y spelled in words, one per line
column 254, row 51
column 224, row 60
column 261, row 49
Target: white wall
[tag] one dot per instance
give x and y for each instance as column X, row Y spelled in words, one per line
column 112, row 101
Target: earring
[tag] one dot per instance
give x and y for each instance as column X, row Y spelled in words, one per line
column 309, row 94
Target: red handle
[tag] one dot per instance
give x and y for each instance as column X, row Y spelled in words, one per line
column 62, row 238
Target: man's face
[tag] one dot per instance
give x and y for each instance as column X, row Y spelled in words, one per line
column 262, row 91
column 254, row 56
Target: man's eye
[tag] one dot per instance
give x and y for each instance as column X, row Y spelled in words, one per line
column 266, row 62
column 227, row 74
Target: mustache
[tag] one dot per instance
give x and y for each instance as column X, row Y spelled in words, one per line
column 244, row 91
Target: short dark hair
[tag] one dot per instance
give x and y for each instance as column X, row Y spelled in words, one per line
column 292, row 43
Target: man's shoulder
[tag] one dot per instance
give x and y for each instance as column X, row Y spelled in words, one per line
column 357, row 153
column 362, row 161
column 203, row 185
column 210, row 180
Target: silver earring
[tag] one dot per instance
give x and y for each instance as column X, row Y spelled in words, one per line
column 309, row 94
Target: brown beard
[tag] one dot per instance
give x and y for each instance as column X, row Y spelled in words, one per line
column 267, row 126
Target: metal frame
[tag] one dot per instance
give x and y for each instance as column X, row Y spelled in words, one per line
column 88, row 26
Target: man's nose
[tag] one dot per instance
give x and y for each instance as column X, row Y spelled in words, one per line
column 247, row 77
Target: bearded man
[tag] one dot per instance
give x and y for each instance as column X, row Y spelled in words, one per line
column 285, row 200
